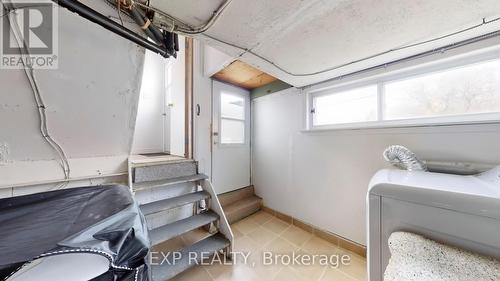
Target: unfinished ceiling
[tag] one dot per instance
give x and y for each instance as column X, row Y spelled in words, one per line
column 304, row 42
column 244, row 75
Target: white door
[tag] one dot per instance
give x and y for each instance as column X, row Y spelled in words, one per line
column 230, row 137
column 151, row 133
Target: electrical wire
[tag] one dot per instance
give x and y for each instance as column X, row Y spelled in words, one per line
column 29, row 71
column 218, row 13
column 185, row 29
column 175, row 23
column 112, row 4
column 158, row 35
column 118, row 2
column 191, row 30
column 249, row 50
column 5, row 14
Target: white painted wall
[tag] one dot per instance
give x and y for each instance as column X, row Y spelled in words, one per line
column 202, row 121
column 91, row 104
column 176, row 99
column 322, row 178
column 214, row 60
column 160, row 116
column 152, row 128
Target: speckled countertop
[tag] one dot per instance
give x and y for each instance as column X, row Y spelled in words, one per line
column 415, row 258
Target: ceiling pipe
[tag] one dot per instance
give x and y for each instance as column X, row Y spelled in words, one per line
column 139, row 19
column 95, row 17
column 189, row 30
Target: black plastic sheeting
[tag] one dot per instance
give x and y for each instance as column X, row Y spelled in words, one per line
column 103, row 220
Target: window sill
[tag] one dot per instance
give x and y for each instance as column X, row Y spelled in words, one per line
column 472, row 119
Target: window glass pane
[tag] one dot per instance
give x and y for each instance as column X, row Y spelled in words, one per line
column 232, row 131
column 232, row 106
column 358, row 105
column 470, row 89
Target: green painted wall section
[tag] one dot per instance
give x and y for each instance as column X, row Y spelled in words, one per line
column 270, row 88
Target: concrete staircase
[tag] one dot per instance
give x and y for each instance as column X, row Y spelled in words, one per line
column 175, row 200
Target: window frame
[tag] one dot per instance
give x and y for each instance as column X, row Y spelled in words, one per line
column 244, row 120
column 400, row 75
column 339, row 91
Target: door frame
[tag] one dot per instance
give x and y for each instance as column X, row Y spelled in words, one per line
column 215, row 113
column 165, row 113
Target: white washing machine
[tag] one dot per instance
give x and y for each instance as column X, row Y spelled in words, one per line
column 461, row 211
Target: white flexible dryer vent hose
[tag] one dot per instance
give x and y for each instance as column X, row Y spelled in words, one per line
column 403, row 158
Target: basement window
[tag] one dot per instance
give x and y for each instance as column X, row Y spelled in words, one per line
column 460, row 95
column 357, row 105
column 232, row 112
column 466, row 90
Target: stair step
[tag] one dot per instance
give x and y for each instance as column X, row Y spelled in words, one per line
column 164, row 171
column 228, row 198
column 242, row 208
column 139, row 160
column 171, row 230
column 174, row 202
column 169, row 269
column 172, row 181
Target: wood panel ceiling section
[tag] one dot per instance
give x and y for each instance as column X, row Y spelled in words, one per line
column 246, row 76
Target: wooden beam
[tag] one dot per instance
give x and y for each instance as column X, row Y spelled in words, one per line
column 189, row 118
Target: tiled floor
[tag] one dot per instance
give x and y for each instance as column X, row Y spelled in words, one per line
column 263, row 232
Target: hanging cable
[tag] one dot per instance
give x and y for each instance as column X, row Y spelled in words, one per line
column 105, row 22
column 249, row 50
column 184, row 28
column 159, row 35
column 28, row 70
column 188, row 29
column 118, row 10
